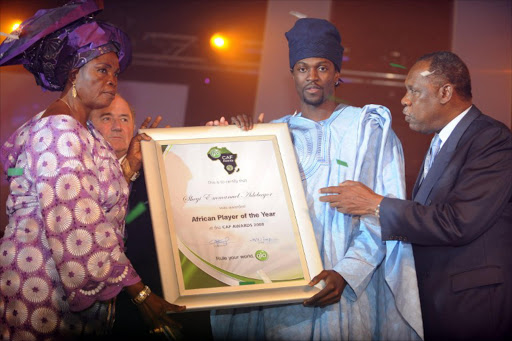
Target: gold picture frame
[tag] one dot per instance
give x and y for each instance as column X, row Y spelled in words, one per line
column 205, row 242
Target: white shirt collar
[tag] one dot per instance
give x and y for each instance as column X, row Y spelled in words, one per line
column 445, row 133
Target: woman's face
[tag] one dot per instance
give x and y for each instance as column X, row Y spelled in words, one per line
column 96, row 81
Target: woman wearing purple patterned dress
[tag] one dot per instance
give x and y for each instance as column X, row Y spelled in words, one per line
column 61, row 258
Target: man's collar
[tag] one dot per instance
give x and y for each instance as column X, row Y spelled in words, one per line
column 445, row 133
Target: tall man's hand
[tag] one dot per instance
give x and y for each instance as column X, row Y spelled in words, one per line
column 334, row 286
column 245, row 122
column 242, row 121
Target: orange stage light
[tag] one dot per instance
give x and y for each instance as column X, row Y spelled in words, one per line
column 15, row 26
column 218, row 41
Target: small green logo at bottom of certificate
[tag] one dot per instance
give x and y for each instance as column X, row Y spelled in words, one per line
column 261, row 255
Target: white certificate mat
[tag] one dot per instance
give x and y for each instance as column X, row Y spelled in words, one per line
column 230, row 219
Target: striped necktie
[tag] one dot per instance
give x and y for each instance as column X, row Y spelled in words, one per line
column 435, row 145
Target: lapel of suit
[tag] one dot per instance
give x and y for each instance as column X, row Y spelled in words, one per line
column 418, row 178
column 443, row 158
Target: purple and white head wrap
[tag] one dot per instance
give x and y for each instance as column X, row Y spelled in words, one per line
column 55, row 41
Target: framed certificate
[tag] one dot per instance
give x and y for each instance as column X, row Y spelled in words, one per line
column 229, row 215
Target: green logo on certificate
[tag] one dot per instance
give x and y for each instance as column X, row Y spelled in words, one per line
column 214, row 153
column 225, row 157
column 261, row 255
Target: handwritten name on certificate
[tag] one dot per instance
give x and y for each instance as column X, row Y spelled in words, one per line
column 230, row 214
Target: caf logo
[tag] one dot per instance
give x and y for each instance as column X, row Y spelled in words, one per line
column 227, row 158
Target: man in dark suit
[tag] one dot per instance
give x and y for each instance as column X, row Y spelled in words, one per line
column 460, row 217
column 117, row 125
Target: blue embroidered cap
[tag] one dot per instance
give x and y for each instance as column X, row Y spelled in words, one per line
column 311, row 37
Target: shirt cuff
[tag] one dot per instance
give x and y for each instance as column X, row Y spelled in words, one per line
column 357, row 274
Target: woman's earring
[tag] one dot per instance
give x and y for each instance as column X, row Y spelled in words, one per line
column 73, row 90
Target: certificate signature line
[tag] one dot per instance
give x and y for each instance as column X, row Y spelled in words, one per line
column 219, row 242
column 264, row 240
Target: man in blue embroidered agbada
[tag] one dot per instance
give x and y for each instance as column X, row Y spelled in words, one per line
column 370, row 286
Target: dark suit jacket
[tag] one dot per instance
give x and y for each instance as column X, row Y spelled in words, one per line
column 460, row 225
column 141, row 250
